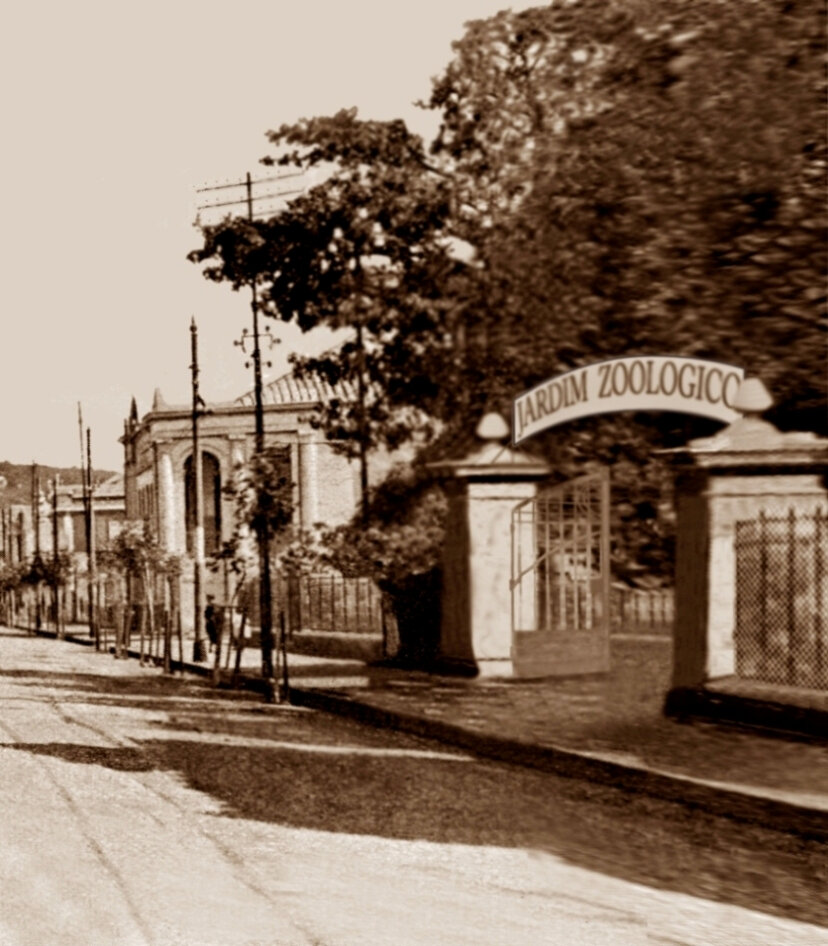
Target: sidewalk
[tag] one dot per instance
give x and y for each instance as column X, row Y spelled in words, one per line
column 604, row 728
column 609, row 729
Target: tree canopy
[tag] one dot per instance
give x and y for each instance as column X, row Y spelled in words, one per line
column 625, row 177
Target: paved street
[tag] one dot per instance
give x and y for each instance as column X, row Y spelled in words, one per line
column 138, row 809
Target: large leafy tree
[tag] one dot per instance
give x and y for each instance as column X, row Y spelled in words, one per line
column 686, row 214
column 634, row 176
column 365, row 249
column 656, row 177
column 674, row 204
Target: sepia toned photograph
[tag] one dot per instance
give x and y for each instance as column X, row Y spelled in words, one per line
column 414, row 473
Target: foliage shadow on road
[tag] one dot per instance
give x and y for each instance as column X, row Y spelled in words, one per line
column 449, row 799
column 150, row 684
column 118, row 758
column 331, row 775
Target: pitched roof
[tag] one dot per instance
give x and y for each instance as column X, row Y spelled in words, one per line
column 289, row 389
column 113, row 487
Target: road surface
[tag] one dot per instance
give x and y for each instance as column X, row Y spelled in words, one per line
column 139, row 810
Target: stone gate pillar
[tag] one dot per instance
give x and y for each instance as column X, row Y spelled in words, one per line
column 483, row 489
column 747, row 467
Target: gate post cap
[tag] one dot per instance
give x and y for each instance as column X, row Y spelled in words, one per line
column 494, row 459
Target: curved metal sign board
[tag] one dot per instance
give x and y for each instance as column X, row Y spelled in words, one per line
column 657, row 383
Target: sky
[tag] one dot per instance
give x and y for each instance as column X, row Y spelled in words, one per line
column 114, row 115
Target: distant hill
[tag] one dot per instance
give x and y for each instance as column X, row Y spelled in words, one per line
column 18, row 480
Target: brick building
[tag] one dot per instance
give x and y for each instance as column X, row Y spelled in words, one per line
column 158, row 466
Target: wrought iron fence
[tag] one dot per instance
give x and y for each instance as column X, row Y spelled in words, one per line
column 641, row 610
column 781, row 631
column 332, row 603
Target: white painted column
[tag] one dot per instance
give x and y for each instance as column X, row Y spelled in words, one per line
column 489, row 517
column 308, row 479
column 67, row 542
column 166, row 500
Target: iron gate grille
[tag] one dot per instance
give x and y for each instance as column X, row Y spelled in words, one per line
column 781, row 631
column 560, row 557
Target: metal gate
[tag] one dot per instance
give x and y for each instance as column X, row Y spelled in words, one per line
column 560, row 579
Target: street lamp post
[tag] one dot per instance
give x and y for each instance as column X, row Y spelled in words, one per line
column 199, row 649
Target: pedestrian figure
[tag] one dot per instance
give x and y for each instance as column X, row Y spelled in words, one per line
column 211, row 620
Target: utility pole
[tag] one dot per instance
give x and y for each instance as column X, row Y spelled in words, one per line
column 94, row 629
column 36, row 529
column 88, row 524
column 265, row 586
column 55, row 556
column 263, row 529
column 363, row 427
column 199, row 650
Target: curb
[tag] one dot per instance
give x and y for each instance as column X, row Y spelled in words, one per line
column 787, row 817
column 53, row 635
column 758, row 715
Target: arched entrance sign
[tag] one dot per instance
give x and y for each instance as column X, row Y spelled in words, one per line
column 646, row 383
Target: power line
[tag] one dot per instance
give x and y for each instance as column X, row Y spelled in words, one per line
column 232, row 203
column 258, row 180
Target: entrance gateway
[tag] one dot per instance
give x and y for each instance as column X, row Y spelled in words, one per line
column 560, row 575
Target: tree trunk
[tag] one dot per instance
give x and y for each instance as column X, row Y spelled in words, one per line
column 415, row 602
column 167, row 627
column 149, row 597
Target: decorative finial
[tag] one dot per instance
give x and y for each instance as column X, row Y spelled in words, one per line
column 492, row 426
column 752, row 397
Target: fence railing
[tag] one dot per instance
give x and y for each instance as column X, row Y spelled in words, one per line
column 332, row 603
column 781, row 633
column 641, row 610
column 153, row 630
column 317, row 603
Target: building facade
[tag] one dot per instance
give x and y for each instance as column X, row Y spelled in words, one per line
column 158, row 462
column 58, row 523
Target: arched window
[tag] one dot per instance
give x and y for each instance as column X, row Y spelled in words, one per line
column 211, row 480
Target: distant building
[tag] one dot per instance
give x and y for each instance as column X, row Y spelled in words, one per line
column 108, row 509
column 158, row 465
column 26, row 530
